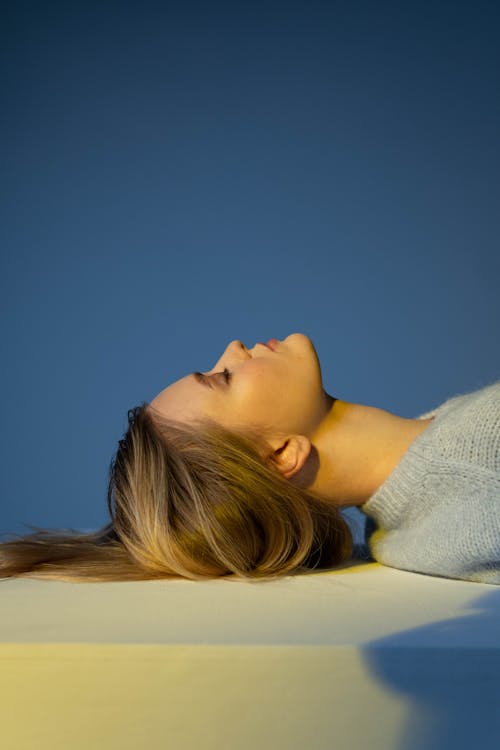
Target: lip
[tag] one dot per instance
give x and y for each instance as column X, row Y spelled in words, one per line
column 272, row 344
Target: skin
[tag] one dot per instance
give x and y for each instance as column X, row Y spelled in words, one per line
column 338, row 450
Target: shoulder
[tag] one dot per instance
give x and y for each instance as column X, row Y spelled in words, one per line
column 467, row 428
column 438, row 512
column 489, row 393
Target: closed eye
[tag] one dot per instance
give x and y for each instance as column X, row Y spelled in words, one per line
column 203, row 380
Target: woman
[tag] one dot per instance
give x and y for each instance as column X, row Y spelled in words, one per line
column 242, row 471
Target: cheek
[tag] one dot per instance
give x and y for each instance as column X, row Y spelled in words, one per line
column 253, row 385
column 263, row 389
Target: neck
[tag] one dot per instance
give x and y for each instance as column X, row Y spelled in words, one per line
column 358, row 447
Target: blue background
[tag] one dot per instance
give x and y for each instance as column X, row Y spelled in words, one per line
column 178, row 175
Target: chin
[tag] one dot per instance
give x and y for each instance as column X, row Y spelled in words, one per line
column 305, row 341
column 300, row 336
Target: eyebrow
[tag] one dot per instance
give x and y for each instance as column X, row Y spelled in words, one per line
column 201, row 378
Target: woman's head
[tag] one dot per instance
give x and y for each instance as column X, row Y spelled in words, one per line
column 191, row 492
column 277, row 395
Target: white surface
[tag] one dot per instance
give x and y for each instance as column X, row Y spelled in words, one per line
column 363, row 657
column 354, row 606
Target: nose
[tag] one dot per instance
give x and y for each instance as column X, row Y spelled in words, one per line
column 238, row 350
column 238, row 345
column 234, row 352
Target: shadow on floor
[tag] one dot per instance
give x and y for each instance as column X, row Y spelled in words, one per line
column 449, row 672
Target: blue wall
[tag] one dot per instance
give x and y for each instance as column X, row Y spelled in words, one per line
column 177, row 175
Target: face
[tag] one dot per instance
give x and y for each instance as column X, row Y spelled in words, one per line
column 276, row 392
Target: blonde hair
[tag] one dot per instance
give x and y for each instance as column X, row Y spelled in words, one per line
column 196, row 501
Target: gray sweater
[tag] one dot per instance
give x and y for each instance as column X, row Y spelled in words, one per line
column 438, row 511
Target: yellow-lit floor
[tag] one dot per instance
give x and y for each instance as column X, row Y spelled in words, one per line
column 365, row 657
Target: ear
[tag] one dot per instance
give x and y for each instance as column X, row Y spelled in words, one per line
column 291, row 455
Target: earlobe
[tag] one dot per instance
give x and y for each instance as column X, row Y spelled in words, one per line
column 290, row 457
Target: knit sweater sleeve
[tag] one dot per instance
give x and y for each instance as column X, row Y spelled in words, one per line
column 438, row 512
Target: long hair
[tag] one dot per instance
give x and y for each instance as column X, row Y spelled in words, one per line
column 193, row 501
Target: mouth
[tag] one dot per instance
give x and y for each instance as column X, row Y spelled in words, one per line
column 272, row 344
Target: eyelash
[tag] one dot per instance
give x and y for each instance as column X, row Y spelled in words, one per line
column 227, row 375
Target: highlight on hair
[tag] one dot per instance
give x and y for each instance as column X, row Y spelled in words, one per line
column 194, row 501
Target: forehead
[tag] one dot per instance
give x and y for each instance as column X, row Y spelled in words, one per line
column 180, row 399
